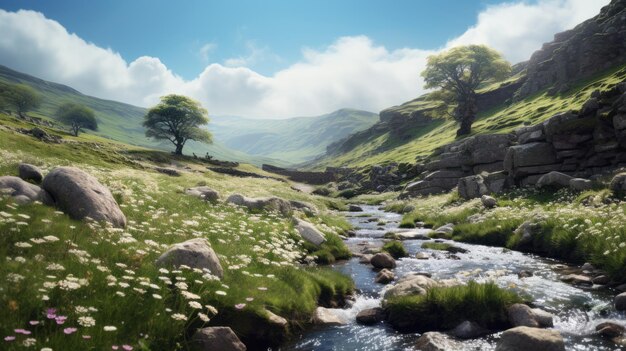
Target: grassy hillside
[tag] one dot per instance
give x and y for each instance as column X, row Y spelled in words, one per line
column 293, row 140
column 102, row 283
column 382, row 147
column 116, row 121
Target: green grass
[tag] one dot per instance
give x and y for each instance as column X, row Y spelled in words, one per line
column 383, row 147
column 396, row 249
column 115, row 271
column 443, row 308
column 437, row 246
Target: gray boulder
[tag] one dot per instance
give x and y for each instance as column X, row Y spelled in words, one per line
column 261, row 204
column 434, row 341
column 203, row 192
column 304, row 207
column 29, row 172
column 532, row 154
column 618, row 184
column 554, row 180
column 216, row 339
column 488, row 201
column 370, row 316
column 468, row 330
column 81, row 195
column 610, row 329
column 526, row 338
column 446, row 229
column 383, row 260
column 527, row 232
column 355, row 208
column 521, row 315
column 326, row 316
column 580, row 184
column 309, row 233
column 413, row 284
column 620, row 302
column 385, row 276
column 194, row 253
column 472, row 187
column 22, row 191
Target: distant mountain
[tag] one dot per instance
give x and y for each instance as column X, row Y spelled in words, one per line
column 116, row 120
column 293, row 140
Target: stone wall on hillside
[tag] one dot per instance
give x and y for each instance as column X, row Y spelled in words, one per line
column 577, row 143
column 302, row 176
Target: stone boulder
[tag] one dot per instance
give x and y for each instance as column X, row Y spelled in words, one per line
column 526, row 338
column 385, row 276
column 383, row 260
column 216, row 339
column 580, row 184
column 527, row 232
column 521, row 315
column 309, row 233
column 434, row 341
column 326, row 316
column 413, row 284
column 261, row 204
column 370, row 316
column 468, row 330
column 610, row 329
column 446, row 229
column 488, row 201
column 618, row 184
column 532, row 154
column 29, row 172
column 81, row 195
column 203, row 192
column 304, row 207
column 22, row 191
column 355, row 208
column 194, row 253
column 472, row 187
column 620, row 302
column 554, row 180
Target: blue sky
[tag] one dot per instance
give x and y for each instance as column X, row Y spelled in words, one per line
column 176, row 31
column 266, row 59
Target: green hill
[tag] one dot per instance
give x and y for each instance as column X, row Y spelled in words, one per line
column 293, row 140
column 116, row 120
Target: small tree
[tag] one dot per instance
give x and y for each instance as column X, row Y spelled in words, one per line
column 77, row 117
column 22, row 98
column 458, row 72
column 178, row 119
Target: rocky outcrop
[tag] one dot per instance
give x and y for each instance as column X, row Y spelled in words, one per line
column 194, row 253
column 29, row 172
column 261, row 204
column 216, row 339
column 81, row 195
column 526, row 338
column 23, row 192
column 589, row 48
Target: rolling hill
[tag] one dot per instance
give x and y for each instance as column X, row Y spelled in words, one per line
column 293, row 140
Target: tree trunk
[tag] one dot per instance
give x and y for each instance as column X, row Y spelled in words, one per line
column 468, row 110
column 179, row 149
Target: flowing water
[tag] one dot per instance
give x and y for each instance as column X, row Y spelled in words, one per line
column 577, row 310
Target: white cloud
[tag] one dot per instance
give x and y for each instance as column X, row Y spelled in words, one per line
column 518, row 29
column 206, row 50
column 351, row 72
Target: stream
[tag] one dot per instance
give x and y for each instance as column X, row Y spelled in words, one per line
column 577, row 310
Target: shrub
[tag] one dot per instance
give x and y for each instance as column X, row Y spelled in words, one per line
column 395, row 249
column 443, row 308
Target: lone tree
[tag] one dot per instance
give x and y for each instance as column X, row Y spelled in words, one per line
column 22, row 98
column 77, row 117
column 178, row 119
column 458, row 72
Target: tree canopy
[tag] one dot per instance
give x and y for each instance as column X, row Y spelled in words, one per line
column 21, row 97
column 77, row 117
column 177, row 119
column 458, row 72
